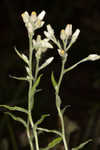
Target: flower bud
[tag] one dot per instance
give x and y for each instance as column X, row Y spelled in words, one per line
column 75, row 36
column 93, row 57
column 62, row 34
column 68, row 30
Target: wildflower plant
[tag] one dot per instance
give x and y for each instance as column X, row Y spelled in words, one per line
column 37, row 47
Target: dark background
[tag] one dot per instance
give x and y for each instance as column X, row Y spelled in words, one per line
column 80, row 87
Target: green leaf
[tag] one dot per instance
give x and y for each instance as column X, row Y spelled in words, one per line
column 22, row 56
column 81, row 145
column 75, row 65
column 15, row 108
column 19, row 78
column 53, row 143
column 35, row 85
column 54, row 83
column 17, row 119
column 49, row 131
column 41, row 119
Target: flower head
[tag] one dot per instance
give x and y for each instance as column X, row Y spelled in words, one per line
column 41, row 45
column 66, row 34
column 67, row 37
column 50, row 32
column 33, row 21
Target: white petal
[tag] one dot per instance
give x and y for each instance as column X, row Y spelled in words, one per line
column 68, row 30
column 45, row 44
column 47, row 34
column 46, row 63
column 25, row 17
column 41, row 15
column 62, row 34
column 75, row 35
column 50, row 29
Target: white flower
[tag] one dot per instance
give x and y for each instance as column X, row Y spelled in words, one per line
column 46, row 63
column 50, row 32
column 33, row 21
column 41, row 15
column 25, row 17
column 93, row 57
column 68, row 30
column 41, row 45
column 66, row 34
column 75, row 35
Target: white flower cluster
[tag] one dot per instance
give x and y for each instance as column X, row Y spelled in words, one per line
column 65, row 36
column 41, row 45
column 33, row 22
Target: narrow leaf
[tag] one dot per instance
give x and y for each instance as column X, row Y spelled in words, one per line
column 75, row 65
column 22, row 56
column 53, row 143
column 19, row 78
column 35, row 85
column 15, row 108
column 54, row 83
column 46, row 63
column 17, row 119
column 81, row 145
column 50, row 131
column 41, row 119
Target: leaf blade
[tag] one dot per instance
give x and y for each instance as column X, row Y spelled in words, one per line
column 54, row 83
column 17, row 119
column 15, row 108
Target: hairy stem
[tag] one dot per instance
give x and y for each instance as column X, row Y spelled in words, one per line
column 58, row 106
column 29, row 95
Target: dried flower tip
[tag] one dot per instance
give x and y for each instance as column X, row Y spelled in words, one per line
column 61, row 52
column 93, row 57
column 75, row 35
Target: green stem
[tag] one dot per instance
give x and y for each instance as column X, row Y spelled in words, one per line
column 29, row 136
column 31, row 98
column 36, row 139
column 58, row 106
column 29, row 95
column 61, row 75
column 62, row 127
